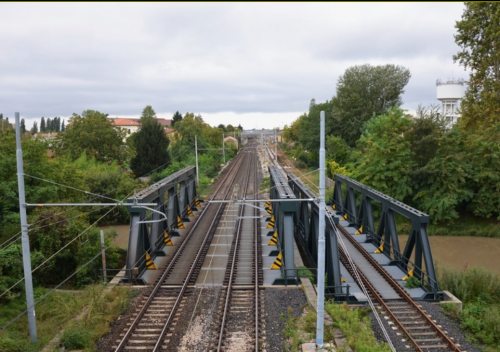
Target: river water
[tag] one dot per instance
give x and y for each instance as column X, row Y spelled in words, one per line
column 454, row 252
column 464, row 251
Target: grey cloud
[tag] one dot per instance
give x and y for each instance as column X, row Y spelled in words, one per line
column 58, row 59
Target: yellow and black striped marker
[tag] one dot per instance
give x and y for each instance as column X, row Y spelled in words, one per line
column 271, row 223
column 267, row 204
column 150, row 265
column 278, row 262
column 380, row 249
column 410, row 273
column 342, row 279
column 197, row 202
column 269, row 210
column 167, row 239
column 360, row 231
column 180, row 224
column 189, row 211
column 333, row 207
column 274, row 240
column 344, row 217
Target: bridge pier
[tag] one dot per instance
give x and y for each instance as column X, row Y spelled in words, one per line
column 284, row 213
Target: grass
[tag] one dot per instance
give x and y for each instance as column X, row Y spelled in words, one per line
column 301, row 329
column 413, row 282
column 479, row 291
column 58, row 312
column 265, row 184
column 302, row 271
column 291, row 331
column 355, row 324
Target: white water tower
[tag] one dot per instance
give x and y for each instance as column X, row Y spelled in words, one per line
column 449, row 93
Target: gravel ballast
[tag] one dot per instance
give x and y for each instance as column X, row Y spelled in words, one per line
column 277, row 301
column 448, row 325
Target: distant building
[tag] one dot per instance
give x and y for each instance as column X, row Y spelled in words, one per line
column 230, row 139
column 132, row 125
column 129, row 125
column 45, row 136
column 166, row 123
column 450, row 93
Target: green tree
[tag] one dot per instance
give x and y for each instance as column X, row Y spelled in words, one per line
column 292, row 133
column 151, row 145
column 63, row 128
column 442, row 182
column 93, row 134
column 42, row 125
column 176, row 118
column 189, row 127
column 230, row 128
column 479, row 39
column 34, row 129
column 148, row 112
column 383, row 159
column 310, row 126
column 35, row 164
column 214, row 136
column 483, row 153
column 222, row 127
column 363, row 92
column 23, row 126
column 337, row 150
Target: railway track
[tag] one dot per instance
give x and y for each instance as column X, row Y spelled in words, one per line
column 240, row 303
column 155, row 319
column 418, row 328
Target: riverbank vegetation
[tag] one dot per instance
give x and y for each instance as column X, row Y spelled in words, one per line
column 479, row 291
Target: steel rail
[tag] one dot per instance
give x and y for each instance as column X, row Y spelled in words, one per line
column 211, row 231
column 380, row 300
column 172, row 263
column 233, row 263
column 401, row 292
column 257, row 248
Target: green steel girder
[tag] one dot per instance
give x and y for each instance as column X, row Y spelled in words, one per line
column 284, row 214
column 172, row 194
column 307, row 225
column 386, row 232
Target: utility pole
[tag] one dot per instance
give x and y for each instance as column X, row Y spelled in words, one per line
column 103, row 251
column 275, row 146
column 28, row 280
column 223, row 149
column 321, row 238
column 196, row 152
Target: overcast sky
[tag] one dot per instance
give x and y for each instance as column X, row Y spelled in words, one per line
column 254, row 64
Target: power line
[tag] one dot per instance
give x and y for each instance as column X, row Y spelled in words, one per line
column 4, row 245
column 69, row 277
column 78, row 236
column 73, row 188
column 53, row 255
